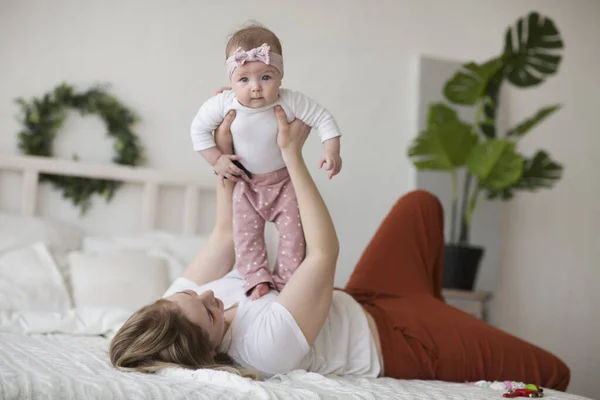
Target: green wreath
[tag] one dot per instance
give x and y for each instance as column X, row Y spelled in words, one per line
column 43, row 117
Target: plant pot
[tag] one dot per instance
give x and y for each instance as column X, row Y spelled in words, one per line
column 461, row 264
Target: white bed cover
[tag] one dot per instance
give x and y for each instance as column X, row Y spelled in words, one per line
column 66, row 366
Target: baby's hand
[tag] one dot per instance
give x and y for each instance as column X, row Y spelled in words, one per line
column 259, row 291
column 333, row 161
column 225, row 168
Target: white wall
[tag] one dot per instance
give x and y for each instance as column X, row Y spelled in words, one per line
column 164, row 58
column 549, row 275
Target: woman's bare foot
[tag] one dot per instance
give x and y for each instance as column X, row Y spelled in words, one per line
column 259, row 291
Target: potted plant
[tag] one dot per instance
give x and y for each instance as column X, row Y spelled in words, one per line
column 494, row 169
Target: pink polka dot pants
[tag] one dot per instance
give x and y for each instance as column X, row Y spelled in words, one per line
column 267, row 197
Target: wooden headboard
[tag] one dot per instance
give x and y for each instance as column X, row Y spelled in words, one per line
column 150, row 179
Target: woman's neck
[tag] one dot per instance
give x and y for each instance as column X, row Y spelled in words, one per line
column 228, row 317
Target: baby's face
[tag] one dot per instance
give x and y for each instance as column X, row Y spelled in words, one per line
column 256, row 84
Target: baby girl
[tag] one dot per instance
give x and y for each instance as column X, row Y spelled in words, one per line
column 264, row 193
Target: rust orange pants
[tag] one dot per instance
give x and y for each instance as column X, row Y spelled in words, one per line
column 398, row 280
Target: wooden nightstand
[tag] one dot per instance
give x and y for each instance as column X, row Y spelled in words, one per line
column 470, row 302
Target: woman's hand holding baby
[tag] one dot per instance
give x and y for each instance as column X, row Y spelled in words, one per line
column 290, row 137
column 224, row 167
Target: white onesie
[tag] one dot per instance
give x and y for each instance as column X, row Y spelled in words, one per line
column 254, row 130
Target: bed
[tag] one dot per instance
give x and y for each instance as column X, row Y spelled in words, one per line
column 65, row 292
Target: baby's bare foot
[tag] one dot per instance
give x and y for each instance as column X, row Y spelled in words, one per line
column 259, row 291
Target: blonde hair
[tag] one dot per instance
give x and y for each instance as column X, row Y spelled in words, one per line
column 252, row 36
column 159, row 335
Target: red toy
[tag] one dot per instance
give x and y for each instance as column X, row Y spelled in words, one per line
column 539, row 392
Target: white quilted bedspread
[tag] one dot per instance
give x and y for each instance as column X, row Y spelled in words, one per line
column 62, row 366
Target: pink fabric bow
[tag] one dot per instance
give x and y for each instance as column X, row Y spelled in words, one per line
column 262, row 54
column 257, row 54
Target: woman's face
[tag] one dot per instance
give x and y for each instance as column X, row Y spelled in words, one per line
column 204, row 310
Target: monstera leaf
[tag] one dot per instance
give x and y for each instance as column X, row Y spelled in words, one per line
column 525, row 126
column 491, row 101
column 469, row 83
column 504, row 194
column 539, row 172
column 446, row 142
column 530, row 50
column 440, row 114
column 496, row 164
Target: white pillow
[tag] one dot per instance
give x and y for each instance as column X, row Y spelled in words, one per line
column 183, row 247
column 177, row 250
column 126, row 280
column 60, row 258
column 18, row 231
column 30, row 281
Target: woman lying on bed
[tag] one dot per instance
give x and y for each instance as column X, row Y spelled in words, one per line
column 390, row 320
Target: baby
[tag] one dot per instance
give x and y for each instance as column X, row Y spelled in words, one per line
column 265, row 193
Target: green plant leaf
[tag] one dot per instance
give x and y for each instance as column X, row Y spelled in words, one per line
column 491, row 102
column 495, row 163
column 531, row 50
column 445, row 144
column 539, row 172
column 504, row 194
column 440, row 114
column 525, row 126
column 468, row 84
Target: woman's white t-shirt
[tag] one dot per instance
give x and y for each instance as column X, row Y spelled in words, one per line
column 265, row 336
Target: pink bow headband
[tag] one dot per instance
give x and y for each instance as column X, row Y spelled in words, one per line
column 262, row 54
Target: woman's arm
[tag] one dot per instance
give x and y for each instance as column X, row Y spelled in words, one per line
column 307, row 295
column 216, row 258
